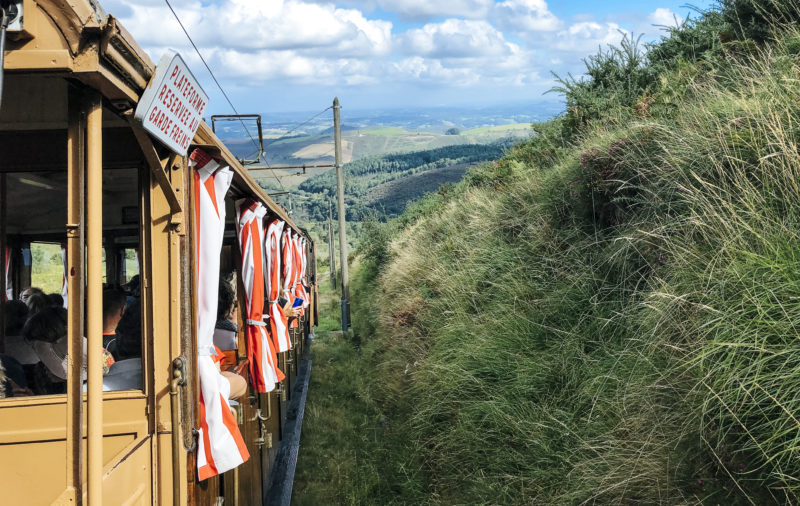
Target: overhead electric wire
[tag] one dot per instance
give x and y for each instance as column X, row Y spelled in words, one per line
column 309, row 120
column 217, row 82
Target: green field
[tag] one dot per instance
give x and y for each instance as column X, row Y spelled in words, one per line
column 47, row 268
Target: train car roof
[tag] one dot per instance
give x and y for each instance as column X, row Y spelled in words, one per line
column 79, row 40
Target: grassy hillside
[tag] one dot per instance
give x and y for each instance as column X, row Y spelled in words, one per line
column 384, row 185
column 357, row 143
column 609, row 313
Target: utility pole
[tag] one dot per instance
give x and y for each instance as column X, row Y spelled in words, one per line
column 331, row 247
column 337, row 145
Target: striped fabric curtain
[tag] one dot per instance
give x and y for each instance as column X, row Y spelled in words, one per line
column 262, row 357
column 9, row 286
column 64, row 281
column 289, row 268
column 220, row 445
column 298, row 275
column 277, row 319
column 300, row 289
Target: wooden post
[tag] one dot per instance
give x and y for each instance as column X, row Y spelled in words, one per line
column 337, row 140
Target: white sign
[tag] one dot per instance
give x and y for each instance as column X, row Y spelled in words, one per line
column 171, row 108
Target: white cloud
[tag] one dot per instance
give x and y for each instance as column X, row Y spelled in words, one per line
column 456, row 38
column 664, row 17
column 587, row 36
column 526, row 16
column 426, row 9
column 252, row 25
column 480, row 43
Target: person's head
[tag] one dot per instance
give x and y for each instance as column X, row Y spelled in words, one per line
column 113, row 306
column 26, row 293
column 56, row 299
column 227, row 296
column 129, row 330
column 16, row 313
column 48, row 325
column 36, row 302
column 132, row 288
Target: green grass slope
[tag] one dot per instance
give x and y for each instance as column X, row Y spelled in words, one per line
column 610, row 313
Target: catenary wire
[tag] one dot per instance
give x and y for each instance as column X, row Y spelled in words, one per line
column 197, row 50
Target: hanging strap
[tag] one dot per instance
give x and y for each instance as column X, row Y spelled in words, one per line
column 258, row 323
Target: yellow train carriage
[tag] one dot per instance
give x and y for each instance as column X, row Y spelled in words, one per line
column 78, row 173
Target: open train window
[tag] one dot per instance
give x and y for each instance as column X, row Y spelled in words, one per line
column 47, row 266
column 35, row 318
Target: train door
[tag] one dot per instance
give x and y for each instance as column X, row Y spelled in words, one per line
column 70, row 170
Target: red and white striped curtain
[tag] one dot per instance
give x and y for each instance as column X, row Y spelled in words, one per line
column 288, row 262
column 220, row 444
column 64, row 281
column 299, row 290
column 262, row 356
column 277, row 318
column 9, row 286
column 301, row 277
column 289, row 267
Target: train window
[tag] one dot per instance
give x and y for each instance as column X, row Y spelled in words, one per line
column 121, row 238
column 47, row 266
column 130, row 264
column 35, row 326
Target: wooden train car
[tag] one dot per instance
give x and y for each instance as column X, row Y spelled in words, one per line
column 78, row 173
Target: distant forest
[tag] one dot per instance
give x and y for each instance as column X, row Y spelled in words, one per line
column 363, row 175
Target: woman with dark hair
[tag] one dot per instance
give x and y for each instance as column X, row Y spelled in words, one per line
column 46, row 330
column 36, row 302
column 56, row 299
column 128, row 343
column 47, row 333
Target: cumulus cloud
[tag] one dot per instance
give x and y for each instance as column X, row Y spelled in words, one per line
column 526, row 16
column 664, row 17
column 426, row 9
column 422, row 10
column 252, row 25
column 502, row 43
column 587, row 36
column 456, row 38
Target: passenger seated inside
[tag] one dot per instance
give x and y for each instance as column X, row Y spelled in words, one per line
column 126, row 372
column 46, row 330
column 226, row 332
column 128, row 343
column 15, row 384
column 15, row 346
column 132, row 289
column 36, row 302
column 23, row 296
column 47, row 333
column 113, row 308
column 56, row 299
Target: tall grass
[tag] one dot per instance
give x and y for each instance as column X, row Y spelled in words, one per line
column 618, row 324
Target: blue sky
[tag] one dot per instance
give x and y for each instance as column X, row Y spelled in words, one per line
column 295, row 55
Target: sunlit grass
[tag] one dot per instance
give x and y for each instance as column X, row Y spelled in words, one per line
column 620, row 327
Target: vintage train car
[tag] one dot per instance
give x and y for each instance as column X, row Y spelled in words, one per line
column 79, row 173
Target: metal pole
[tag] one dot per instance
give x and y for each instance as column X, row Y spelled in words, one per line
column 331, row 247
column 337, row 144
column 76, row 237
column 94, row 291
